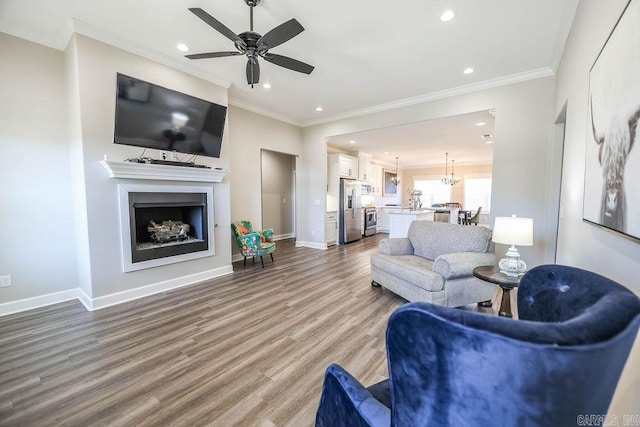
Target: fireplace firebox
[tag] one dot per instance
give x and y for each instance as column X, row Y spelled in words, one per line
column 164, row 225
column 168, row 211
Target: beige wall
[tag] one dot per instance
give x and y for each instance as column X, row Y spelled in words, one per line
column 581, row 244
column 37, row 246
column 249, row 134
column 96, row 88
column 278, row 197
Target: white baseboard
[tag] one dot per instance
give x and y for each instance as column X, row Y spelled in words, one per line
column 36, row 302
column 283, row 236
column 312, row 245
column 112, row 299
column 155, row 288
column 85, row 300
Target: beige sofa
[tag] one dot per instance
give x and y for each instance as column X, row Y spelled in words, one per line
column 435, row 263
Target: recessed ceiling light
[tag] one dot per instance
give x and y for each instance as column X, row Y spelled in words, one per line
column 266, row 86
column 352, row 142
column 182, row 47
column 447, row 16
column 386, row 152
column 488, row 142
column 468, row 70
column 318, row 108
column 480, row 124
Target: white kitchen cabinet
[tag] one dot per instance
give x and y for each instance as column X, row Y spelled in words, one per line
column 364, row 167
column 340, row 166
column 331, row 228
column 375, row 180
column 348, row 166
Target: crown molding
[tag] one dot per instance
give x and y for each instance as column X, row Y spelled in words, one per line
column 77, row 26
column 568, row 15
column 262, row 111
column 58, row 41
column 461, row 90
column 112, row 39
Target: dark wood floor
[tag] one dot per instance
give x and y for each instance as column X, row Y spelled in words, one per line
column 246, row 349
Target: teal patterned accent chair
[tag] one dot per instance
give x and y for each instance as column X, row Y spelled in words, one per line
column 253, row 243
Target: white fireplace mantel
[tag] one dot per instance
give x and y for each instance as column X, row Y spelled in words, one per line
column 163, row 172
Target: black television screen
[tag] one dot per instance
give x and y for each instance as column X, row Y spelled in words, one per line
column 151, row 116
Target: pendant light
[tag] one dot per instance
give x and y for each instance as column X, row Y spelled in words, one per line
column 394, row 179
column 446, row 179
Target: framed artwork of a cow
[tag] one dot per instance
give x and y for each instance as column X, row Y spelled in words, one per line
column 612, row 160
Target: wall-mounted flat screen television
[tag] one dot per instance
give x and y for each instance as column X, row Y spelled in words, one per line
column 151, row 116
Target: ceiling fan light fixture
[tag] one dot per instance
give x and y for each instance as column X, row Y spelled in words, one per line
column 182, row 47
column 255, row 45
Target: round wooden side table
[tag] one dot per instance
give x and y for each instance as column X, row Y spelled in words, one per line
column 493, row 275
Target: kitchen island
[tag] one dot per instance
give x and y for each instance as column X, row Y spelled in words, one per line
column 399, row 222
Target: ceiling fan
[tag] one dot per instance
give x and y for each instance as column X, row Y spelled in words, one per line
column 254, row 45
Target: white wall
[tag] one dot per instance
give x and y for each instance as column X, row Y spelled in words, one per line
column 250, row 133
column 607, row 253
column 581, row 244
column 95, row 80
column 37, row 244
column 522, row 148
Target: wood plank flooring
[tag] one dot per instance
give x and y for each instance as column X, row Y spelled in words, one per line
column 246, row 349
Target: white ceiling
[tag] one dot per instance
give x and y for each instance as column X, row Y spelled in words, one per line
column 425, row 143
column 368, row 55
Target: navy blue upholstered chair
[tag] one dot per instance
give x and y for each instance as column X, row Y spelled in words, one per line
column 450, row 367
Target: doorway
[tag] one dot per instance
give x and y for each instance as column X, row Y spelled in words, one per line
column 554, row 212
column 278, row 177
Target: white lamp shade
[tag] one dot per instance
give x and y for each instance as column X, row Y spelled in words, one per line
column 513, row 231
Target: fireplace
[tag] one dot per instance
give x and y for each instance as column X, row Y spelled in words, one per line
column 165, row 224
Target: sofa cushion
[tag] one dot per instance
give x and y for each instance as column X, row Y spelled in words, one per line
column 431, row 239
column 411, row 268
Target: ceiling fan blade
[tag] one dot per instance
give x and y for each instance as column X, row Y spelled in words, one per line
column 290, row 63
column 211, row 55
column 218, row 26
column 253, row 72
column 280, row 34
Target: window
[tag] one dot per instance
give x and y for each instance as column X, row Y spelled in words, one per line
column 433, row 190
column 477, row 192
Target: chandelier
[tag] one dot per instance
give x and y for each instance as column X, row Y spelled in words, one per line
column 446, row 178
column 394, row 179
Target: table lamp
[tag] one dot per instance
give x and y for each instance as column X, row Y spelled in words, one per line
column 513, row 231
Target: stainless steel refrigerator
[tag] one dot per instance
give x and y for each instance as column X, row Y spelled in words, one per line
column 350, row 211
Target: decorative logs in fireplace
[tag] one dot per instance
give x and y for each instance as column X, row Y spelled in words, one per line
column 168, row 231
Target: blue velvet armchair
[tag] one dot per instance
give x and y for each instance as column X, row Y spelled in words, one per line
column 450, row 367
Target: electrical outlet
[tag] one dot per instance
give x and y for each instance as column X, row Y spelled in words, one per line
column 5, row 281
